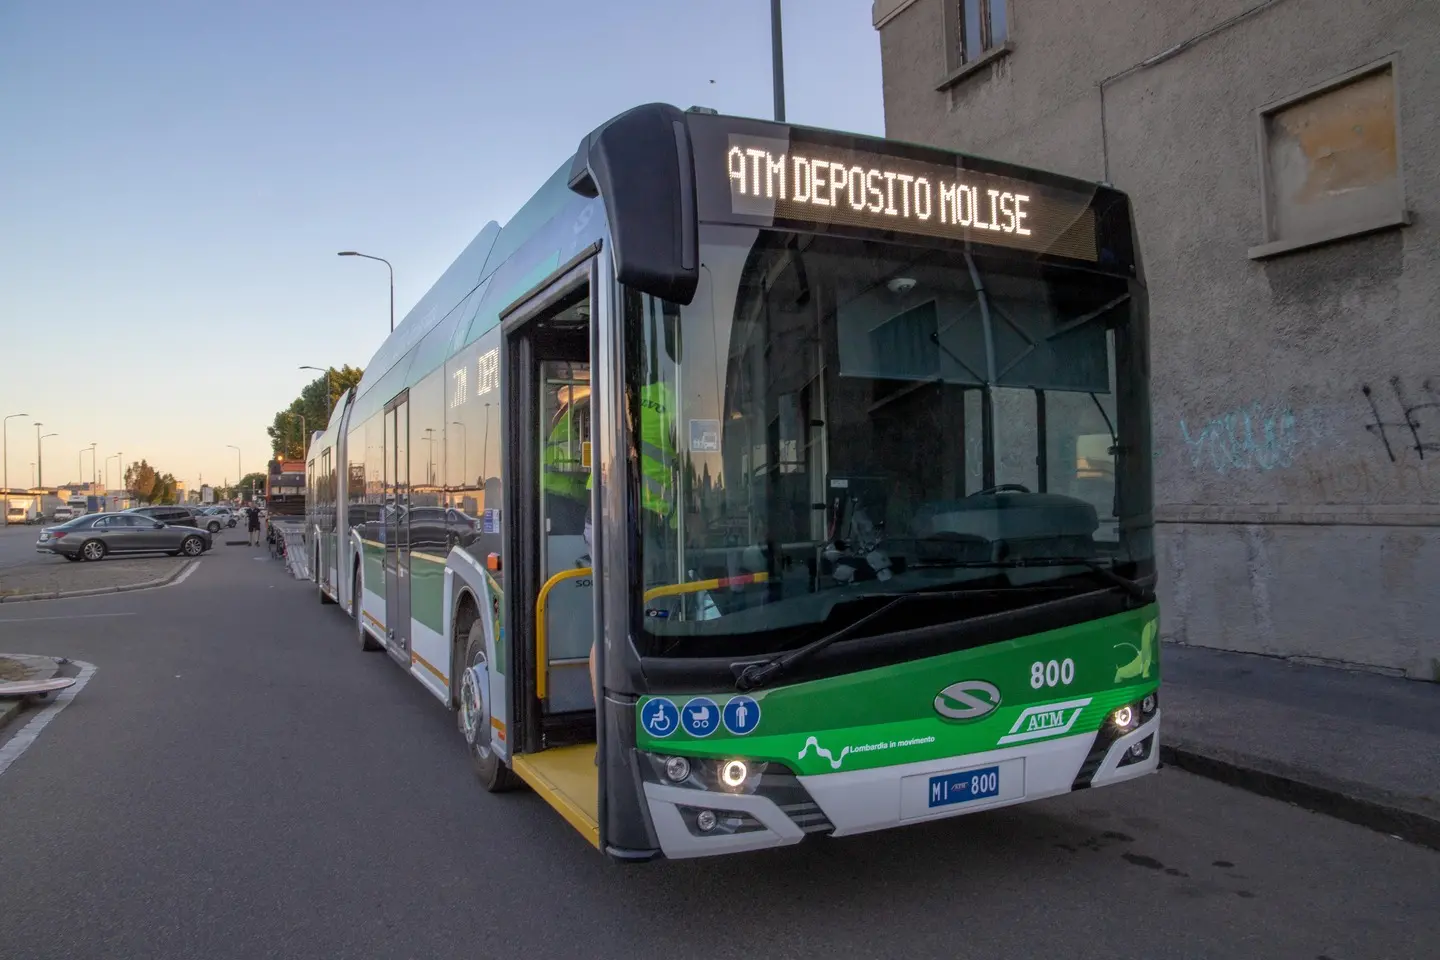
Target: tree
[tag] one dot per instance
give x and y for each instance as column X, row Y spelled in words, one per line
column 287, row 441
column 249, row 482
column 140, row 481
column 144, row 483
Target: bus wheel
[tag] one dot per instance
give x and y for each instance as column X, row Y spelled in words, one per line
column 474, row 719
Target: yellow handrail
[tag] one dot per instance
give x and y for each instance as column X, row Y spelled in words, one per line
column 676, row 589
column 542, row 644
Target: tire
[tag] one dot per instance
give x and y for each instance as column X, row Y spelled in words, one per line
column 367, row 642
column 192, row 546
column 93, row 550
column 473, row 720
column 213, row 526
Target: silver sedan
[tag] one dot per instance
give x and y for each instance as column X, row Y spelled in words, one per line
column 96, row 535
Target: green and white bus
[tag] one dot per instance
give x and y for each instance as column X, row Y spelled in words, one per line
column 863, row 429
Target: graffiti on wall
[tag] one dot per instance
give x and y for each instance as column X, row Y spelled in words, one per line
column 1418, row 428
column 1251, row 438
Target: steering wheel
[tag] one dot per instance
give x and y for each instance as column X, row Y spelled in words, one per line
column 1002, row 488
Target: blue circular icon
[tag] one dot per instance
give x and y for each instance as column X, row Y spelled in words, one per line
column 700, row 717
column 659, row 717
column 742, row 715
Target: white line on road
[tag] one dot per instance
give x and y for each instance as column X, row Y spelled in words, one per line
column 68, row 616
column 21, row 741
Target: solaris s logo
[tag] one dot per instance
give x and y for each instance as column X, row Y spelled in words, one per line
column 968, row 700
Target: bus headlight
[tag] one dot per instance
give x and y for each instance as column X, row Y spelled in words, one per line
column 1124, row 717
column 733, row 773
column 677, row 769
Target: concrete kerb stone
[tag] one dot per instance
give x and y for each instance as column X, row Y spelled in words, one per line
column 41, row 668
column 97, row 591
column 9, row 710
column 1355, row 803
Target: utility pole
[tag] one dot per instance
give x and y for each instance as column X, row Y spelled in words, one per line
column 5, row 460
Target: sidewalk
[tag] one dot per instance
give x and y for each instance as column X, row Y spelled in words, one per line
column 18, row 667
column 1352, row 745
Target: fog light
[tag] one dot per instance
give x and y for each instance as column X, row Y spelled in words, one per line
column 1124, row 717
column 677, row 769
column 706, row 820
column 1147, row 706
column 734, row 772
column 1138, row 750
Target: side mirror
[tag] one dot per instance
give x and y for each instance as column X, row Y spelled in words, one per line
column 158, row 524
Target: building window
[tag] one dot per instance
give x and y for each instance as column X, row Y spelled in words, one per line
column 979, row 27
column 1330, row 162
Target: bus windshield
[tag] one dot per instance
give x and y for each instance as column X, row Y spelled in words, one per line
column 834, row 422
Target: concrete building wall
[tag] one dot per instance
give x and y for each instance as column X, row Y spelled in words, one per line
column 1297, row 394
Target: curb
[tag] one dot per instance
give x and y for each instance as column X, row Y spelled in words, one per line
column 100, row 591
column 1353, row 803
column 9, row 710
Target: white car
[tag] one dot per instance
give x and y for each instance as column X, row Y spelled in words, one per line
column 63, row 515
column 213, row 518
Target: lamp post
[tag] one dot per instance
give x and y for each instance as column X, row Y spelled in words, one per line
column 464, row 450
column 94, row 468
column 352, row 253
column 777, row 60
column 485, row 452
column 328, row 394
column 5, row 457
column 238, row 473
column 39, row 456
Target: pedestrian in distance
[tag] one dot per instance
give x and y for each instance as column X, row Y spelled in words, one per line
column 252, row 516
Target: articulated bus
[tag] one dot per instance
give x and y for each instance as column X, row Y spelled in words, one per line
column 834, row 452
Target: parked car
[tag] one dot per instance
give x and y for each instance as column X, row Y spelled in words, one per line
column 97, row 535
column 174, row 516
column 63, row 514
column 213, row 518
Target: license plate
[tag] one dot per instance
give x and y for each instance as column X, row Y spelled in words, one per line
column 949, row 789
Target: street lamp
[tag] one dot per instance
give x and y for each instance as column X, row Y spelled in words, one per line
column 464, row 452
column 352, row 253
column 777, row 60
column 328, row 395
column 238, row 473
column 5, row 456
column 39, row 458
column 94, row 469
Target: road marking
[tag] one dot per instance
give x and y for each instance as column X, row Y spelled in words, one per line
column 27, row 735
column 68, row 616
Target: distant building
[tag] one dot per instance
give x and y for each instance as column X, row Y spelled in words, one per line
column 1285, row 181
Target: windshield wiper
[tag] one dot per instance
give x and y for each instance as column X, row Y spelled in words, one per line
column 759, row 674
column 1102, row 570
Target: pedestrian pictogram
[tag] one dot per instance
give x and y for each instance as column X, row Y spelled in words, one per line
column 742, row 715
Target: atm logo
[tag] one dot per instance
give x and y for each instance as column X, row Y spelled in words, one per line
column 1046, row 720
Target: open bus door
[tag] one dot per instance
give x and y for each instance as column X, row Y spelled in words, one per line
column 548, row 565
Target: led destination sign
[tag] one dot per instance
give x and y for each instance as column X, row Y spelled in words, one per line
column 772, row 178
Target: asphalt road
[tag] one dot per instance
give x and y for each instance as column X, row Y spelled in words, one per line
column 239, row 780
column 17, row 545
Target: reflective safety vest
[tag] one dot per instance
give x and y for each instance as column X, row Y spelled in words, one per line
column 658, row 459
column 562, row 471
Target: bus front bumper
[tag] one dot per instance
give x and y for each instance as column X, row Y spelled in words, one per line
column 862, row 801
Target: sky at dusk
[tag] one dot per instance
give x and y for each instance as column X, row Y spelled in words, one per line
column 176, row 178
